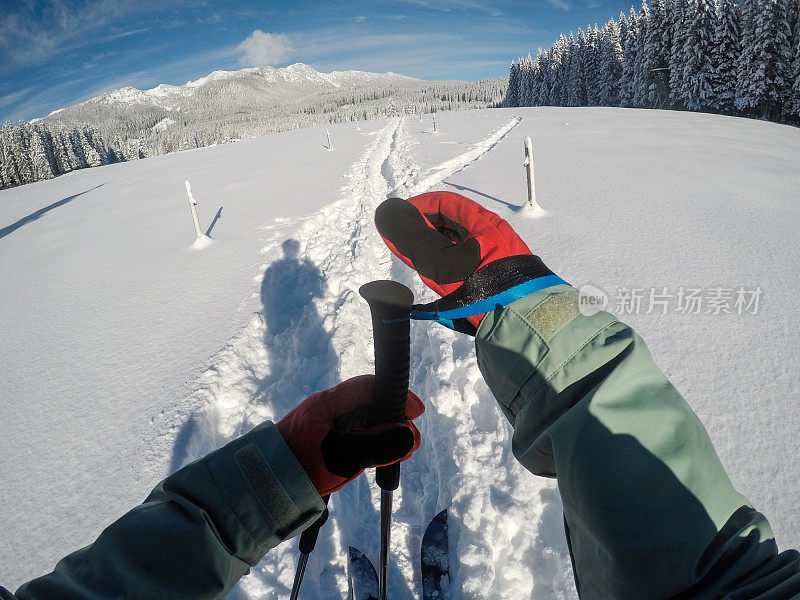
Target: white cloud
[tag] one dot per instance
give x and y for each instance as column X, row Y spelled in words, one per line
column 560, row 4
column 360, row 19
column 261, row 48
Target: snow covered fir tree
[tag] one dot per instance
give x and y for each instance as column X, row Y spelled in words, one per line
column 224, row 106
column 737, row 58
column 34, row 151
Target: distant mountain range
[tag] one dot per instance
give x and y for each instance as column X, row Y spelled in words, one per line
column 223, row 106
column 278, row 83
column 226, row 105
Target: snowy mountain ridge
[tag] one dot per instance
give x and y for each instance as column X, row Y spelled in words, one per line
column 169, row 97
column 231, row 105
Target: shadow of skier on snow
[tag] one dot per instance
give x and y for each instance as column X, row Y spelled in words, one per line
column 302, row 360
column 301, row 357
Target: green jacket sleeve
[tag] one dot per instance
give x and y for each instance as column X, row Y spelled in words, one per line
column 650, row 512
column 197, row 533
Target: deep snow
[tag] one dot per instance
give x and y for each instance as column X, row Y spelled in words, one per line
column 126, row 353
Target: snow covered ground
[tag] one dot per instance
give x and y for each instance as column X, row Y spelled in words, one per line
column 126, row 353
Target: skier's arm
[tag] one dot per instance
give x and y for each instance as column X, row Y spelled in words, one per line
column 203, row 527
column 198, row 532
column 649, row 509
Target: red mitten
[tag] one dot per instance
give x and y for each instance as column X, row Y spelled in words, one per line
column 334, row 434
column 463, row 252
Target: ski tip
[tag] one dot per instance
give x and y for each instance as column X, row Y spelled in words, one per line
column 436, row 529
column 362, row 577
column 354, row 553
column 435, row 559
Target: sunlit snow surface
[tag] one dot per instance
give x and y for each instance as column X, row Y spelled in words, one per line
column 127, row 353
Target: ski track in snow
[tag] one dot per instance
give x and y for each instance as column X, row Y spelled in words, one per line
column 506, row 537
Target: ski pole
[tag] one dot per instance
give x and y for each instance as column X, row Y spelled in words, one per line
column 390, row 305
column 308, row 539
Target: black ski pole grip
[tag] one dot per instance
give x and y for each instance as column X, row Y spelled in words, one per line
column 308, row 539
column 390, row 304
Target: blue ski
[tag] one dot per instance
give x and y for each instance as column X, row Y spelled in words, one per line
column 361, row 576
column 435, row 558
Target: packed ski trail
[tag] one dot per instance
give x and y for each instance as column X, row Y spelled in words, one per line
column 315, row 332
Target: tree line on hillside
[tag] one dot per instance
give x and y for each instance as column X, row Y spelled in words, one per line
column 737, row 58
column 97, row 133
column 34, row 151
column 211, row 118
column 231, row 110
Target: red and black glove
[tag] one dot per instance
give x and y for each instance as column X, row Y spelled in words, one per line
column 335, row 434
column 463, row 252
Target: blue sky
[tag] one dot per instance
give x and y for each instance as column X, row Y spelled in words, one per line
column 59, row 52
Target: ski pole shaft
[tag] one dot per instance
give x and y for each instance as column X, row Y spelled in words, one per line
column 386, row 530
column 298, row 576
column 308, row 539
column 390, row 305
